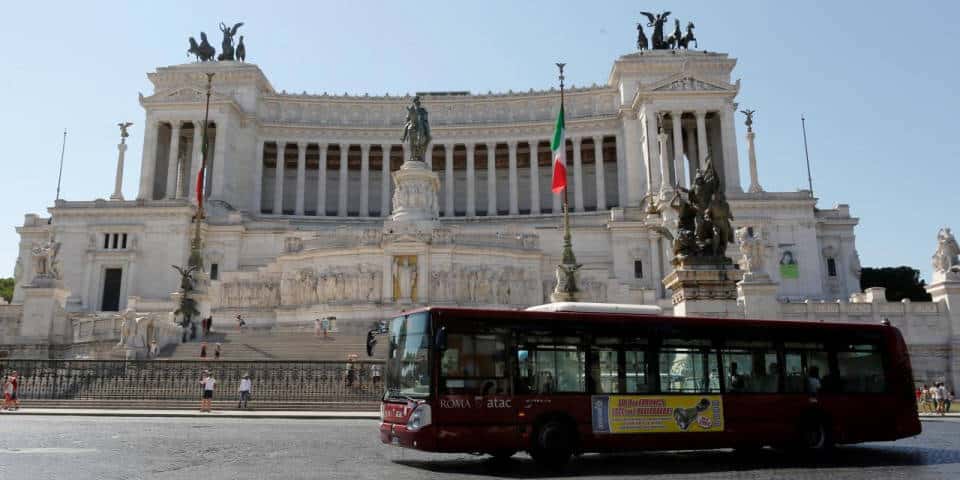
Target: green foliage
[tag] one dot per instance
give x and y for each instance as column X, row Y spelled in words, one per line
column 6, row 288
column 900, row 282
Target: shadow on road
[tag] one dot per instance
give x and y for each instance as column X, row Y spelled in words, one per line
column 687, row 462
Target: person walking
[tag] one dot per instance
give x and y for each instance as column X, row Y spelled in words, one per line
column 317, row 327
column 7, row 393
column 937, row 399
column 154, row 348
column 240, row 323
column 325, row 326
column 244, row 390
column 14, row 391
column 216, row 352
column 208, row 383
column 203, row 351
column 942, row 392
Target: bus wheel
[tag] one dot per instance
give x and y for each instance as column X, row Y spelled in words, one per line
column 554, row 444
column 502, row 453
column 814, row 434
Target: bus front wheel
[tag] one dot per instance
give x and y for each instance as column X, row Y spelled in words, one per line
column 502, row 453
column 814, row 434
column 554, row 444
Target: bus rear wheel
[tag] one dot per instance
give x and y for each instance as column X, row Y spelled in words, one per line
column 502, row 453
column 813, row 435
column 554, row 444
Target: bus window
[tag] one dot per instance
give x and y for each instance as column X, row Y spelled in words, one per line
column 808, row 368
column 688, row 369
column 860, row 368
column 750, row 367
column 551, row 369
column 605, row 373
column 636, row 371
column 474, row 364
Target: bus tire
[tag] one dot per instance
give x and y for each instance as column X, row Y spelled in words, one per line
column 813, row 434
column 553, row 444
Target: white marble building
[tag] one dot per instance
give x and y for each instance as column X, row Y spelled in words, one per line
column 299, row 193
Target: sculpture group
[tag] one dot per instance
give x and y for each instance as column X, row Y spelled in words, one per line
column 204, row 52
column 674, row 41
column 416, row 130
column 946, row 260
column 703, row 223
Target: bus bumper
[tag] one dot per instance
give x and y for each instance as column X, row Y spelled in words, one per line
column 398, row 435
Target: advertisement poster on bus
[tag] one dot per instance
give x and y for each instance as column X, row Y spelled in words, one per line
column 657, row 414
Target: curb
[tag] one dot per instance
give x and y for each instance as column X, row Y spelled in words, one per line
column 197, row 414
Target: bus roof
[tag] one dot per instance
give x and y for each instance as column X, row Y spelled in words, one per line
column 588, row 307
column 501, row 314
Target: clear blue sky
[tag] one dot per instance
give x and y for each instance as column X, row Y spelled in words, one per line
column 876, row 80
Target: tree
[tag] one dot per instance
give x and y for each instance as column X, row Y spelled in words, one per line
column 900, row 282
column 6, row 288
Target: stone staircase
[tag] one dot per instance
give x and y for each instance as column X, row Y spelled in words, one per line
column 276, row 345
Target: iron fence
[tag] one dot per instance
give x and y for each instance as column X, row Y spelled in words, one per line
column 278, row 381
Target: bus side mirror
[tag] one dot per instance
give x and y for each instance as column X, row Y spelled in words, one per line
column 440, row 342
column 371, row 342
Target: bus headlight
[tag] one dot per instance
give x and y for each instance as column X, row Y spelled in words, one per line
column 421, row 417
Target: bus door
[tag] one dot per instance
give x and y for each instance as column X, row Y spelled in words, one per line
column 475, row 395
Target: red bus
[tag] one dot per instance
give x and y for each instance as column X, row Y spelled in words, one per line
column 556, row 383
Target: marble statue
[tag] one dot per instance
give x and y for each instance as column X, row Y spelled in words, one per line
column 946, row 260
column 203, row 51
column 405, row 276
column 416, row 130
column 46, row 265
column 751, row 250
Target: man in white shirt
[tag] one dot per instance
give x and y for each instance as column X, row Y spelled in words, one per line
column 245, row 385
column 208, row 383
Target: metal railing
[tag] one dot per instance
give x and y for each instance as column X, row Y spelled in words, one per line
column 272, row 381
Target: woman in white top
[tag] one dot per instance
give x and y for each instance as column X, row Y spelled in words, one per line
column 245, row 385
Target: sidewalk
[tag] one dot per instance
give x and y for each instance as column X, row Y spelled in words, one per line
column 91, row 412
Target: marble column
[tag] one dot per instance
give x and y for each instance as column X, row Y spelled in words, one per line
column 301, row 176
column 385, row 179
column 148, row 162
column 216, row 170
column 621, row 173
column 752, row 155
column 342, row 190
column 577, row 175
column 678, row 168
column 701, row 138
column 655, row 273
column 448, row 178
column 731, row 163
column 491, row 179
column 471, row 182
column 599, row 173
column 365, row 180
column 534, row 178
column 665, row 186
column 513, row 182
column 118, row 180
column 690, row 147
column 322, row 182
column 653, row 158
column 196, row 160
column 256, row 205
column 278, row 178
column 173, row 161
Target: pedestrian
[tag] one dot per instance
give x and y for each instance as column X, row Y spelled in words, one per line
column 208, row 383
column 942, row 392
column 209, row 324
column 351, row 374
column 245, row 385
column 154, row 348
column 937, row 399
column 203, row 351
column 15, row 395
column 216, row 352
column 325, row 326
column 240, row 323
column 317, row 327
column 7, row 393
column 375, row 373
column 949, row 401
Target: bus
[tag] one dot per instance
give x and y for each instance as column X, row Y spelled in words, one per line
column 555, row 381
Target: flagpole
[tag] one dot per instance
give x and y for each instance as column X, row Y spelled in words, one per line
column 566, row 289
column 63, row 148
column 196, row 253
column 567, row 248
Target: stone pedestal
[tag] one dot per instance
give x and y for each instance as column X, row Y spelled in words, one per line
column 44, row 316
column 415, row 196
column 757, row 296
column 946, row 291
column 704, row 290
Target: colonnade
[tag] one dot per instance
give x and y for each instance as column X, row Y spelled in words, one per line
column 681, row 141
column 172, row 157
column 513, row 180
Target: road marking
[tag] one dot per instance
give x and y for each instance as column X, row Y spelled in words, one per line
column 53, row 450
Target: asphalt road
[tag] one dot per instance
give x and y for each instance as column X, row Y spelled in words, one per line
column 41, row 447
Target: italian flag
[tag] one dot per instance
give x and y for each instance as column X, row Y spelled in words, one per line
column 559, row 147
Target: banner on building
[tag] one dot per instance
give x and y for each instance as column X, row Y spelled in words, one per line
column 657, row 414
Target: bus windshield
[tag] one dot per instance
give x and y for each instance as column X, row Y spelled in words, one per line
column 408, row 372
